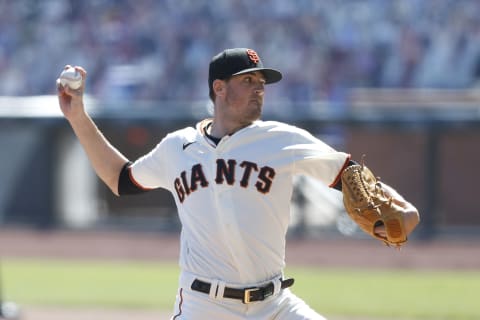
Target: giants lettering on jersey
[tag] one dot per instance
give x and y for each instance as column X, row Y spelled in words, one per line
column 226, row 169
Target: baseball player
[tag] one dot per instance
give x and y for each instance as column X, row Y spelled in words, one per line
column 231, row 178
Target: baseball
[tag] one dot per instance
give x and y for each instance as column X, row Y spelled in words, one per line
column 71, row 78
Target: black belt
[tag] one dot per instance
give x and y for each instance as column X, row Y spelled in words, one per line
column 246, row 294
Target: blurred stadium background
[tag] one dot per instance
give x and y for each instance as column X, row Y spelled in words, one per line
column 397, row 81
column 394, row 80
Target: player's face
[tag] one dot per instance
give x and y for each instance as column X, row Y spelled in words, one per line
column 244, row 96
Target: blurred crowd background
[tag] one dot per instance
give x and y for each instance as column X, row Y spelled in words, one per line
column 160, row 49
column 397, row 81
column 402, row 75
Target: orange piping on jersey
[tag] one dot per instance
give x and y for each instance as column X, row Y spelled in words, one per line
column 135, row 182
column 203, row 125
column 339, row 175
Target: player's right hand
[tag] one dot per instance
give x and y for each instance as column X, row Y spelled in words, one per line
column 71, row 101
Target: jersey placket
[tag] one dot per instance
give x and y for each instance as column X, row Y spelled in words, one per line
column 226, row 213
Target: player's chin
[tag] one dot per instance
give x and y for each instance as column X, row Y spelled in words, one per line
column 256, row 104
column 255, row 112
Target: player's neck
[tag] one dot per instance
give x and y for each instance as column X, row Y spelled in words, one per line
column 219, row 129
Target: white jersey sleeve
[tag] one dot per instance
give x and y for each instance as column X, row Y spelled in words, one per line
column 157, row 168
column 150, row 171
column 314, row 158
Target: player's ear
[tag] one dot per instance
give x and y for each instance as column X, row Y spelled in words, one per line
column 219, row 87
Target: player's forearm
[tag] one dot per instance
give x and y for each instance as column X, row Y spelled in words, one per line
column 106, row 160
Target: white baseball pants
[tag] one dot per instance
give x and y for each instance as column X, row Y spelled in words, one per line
column 194, row 305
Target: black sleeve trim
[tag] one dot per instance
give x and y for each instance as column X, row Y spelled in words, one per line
column 338, row 184
column 126, row 185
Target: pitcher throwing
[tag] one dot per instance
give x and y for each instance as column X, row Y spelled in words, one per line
column 231, row 177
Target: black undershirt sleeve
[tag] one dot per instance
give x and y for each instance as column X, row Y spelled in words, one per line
column 125, row 184
column 338, row 185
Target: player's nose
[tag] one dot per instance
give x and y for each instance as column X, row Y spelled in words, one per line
column 260, row 87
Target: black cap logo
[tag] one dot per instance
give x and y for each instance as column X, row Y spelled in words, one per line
column 253, row 56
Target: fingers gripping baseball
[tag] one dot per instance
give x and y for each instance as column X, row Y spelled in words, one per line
column 70, row 89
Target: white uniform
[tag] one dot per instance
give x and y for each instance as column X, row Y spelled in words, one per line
column 233, row 201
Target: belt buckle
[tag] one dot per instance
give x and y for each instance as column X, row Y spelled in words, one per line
column 246, row 294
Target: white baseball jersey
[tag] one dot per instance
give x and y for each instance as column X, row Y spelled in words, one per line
column 233, row 199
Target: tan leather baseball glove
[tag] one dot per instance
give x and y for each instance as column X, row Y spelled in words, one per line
column 367, row 203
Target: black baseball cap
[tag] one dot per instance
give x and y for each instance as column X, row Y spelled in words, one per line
column 232, row 62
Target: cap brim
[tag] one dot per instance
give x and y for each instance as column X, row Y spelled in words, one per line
column 271, row 75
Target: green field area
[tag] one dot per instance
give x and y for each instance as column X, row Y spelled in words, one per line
column 406, row 294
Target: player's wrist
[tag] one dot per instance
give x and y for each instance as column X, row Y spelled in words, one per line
column 78, row 115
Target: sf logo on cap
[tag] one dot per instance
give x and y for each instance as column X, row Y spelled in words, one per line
column 253, row 56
